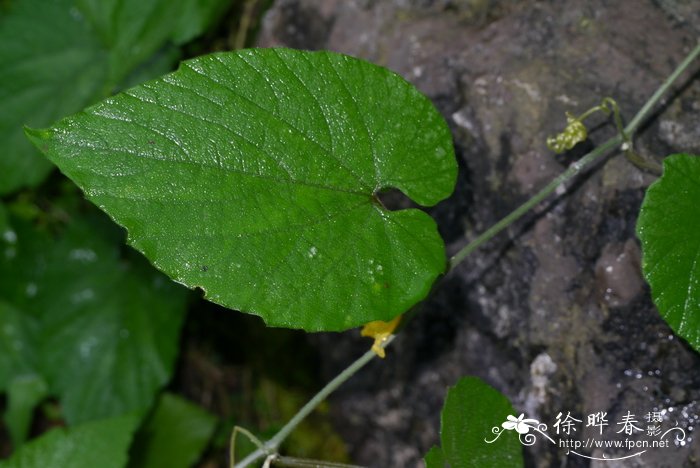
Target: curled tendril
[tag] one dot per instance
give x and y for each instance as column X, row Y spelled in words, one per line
column 495, row 430
column 576, row 132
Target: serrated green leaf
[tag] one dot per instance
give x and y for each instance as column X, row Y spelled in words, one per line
column 472, row 408
column 669, row 229
column 60, row 55
column 254, row 175
column 174, row 435
column 101, row 329
column 102, row 443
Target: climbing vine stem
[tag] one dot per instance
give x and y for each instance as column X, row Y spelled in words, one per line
column 273, row 444
column 578, row 166
column 574, row 169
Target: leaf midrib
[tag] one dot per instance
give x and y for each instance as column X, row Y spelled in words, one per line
column 210, row 166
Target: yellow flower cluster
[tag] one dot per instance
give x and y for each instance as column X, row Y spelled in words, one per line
column 574, row 133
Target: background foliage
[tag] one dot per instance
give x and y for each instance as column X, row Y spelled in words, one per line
column 90, row 330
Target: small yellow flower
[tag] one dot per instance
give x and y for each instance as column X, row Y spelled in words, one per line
column 380, row 331
column 574, row 133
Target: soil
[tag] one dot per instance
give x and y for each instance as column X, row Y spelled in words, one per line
column 554, row 313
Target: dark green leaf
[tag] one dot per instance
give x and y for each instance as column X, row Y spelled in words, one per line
column 174, row 436
column 197, row 17
column 669, row 229
column 23, row 394
column 102, row 444
column 5, row 236
column 472, row 408
column 253, row 175
column 159, row 64
column 50, row 68
column 101, row 329
column 18, row 332
column 435, row 458
column 132, row 30
column 60, row 55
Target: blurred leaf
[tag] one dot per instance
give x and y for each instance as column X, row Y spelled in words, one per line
column 198, row 16
column 471, row 409
column 17, row 364
column 174, row 435
column 159, row 64
column 103, row 443
column 5, row 226
column 24, row 208
column 50, row 68
column 132, row 30
column 23, row 394
column 60, row 55
column 101, row 329
column 17, row 334
column 669, row 229
column 254, row 176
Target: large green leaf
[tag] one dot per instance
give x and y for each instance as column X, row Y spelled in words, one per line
column 100, row 328
column 58, row 56
column 669, row 229
column 472, row 408
column 174, row 435
column 254, row 176
column 103, row 443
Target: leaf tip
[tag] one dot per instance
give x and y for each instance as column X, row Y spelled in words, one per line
column 38, row 136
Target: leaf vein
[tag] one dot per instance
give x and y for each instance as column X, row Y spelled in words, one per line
column 278, row 119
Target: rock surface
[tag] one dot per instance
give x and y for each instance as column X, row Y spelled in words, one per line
column 553, row 313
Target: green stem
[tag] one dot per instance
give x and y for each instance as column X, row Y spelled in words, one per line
column 577, row 167
column 291, row 462
column 644, row 111
column 611, row 105
column 572, row 171
column 273, row 444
